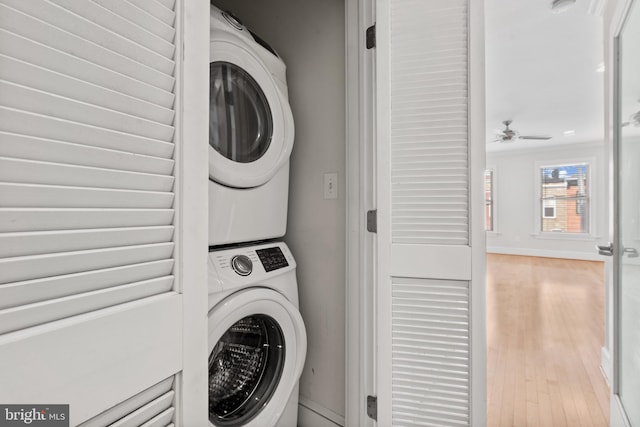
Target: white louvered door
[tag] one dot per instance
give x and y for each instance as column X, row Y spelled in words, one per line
column 90, row 309
column 430, row 241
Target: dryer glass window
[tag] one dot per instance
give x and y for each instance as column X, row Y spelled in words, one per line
column 240, row 120
column 245, row 368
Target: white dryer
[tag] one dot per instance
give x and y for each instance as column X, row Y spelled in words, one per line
column 251, row 134
column 257, row 339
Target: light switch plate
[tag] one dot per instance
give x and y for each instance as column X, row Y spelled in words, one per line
column 330, row 185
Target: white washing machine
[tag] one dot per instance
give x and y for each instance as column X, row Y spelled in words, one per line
column 251, row 134
column 257, row 339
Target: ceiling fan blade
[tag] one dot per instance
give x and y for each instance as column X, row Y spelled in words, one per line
column 540, row 137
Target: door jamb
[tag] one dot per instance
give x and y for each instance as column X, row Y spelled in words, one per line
column 360, row 360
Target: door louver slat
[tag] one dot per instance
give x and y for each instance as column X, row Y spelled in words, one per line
column 140, row 17
column 22, row 98
column 106, row 18
column 36, row 290
column 430, row 366
column 13, row 319
column 21, row 219
column 33, row 148
column 45, row 33
column 129, row 406
column 38, row 172
column 422, row 85
column 37, row 266
column 147, row 412
column 25, row 74
column 39, row 125
column 88, row 30
column 41, row 242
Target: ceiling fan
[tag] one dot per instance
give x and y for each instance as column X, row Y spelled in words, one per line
column 510, row 135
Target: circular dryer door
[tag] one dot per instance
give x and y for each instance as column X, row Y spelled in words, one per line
column 250, row 120
column 257, row 347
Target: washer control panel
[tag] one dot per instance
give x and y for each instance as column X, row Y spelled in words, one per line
column 244, row 265
column 272, row 258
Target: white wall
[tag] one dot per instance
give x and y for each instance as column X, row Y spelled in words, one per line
column 516, row 203
column 310, row 37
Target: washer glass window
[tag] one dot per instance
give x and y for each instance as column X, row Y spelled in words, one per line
column 240, row 120
column 245, row 367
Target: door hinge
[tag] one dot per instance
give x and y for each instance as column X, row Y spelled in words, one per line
column 372, row 407
column 372, row 221
column 371, row 37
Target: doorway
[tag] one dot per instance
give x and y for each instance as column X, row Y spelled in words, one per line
column 546, row 204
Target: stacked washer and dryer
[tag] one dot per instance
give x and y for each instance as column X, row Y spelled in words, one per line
column 257, row 339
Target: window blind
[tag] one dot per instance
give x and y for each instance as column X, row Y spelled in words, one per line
column 564, row 198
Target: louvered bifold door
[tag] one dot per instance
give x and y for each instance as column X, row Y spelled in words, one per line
column 87, row 112
column 429, row 217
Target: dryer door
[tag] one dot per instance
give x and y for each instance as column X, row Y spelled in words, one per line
column 257, row 347
column 250, row 120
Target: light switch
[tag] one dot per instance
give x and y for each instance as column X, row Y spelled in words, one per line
column 330, row 185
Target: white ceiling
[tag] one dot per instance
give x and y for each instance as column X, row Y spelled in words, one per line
column 541, row 72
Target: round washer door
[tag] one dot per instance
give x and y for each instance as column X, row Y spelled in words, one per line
column 257, row 348
column 250, row 120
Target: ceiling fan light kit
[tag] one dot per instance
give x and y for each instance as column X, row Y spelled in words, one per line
column 559, row 6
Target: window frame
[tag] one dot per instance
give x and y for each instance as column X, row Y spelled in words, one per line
column 590, row 163
column 494, row 212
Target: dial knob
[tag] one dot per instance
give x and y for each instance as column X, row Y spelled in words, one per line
column 242, row 265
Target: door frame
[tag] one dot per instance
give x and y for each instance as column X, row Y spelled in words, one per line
column 360, row 196
column 616, row 12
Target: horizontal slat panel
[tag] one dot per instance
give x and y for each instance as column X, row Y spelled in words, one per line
column 140, row 344
column 122, row 409
column 147, row 412
column 114, row 22
column 169, row 4
column 51, row 196
column 139, row 17
column 36, row 77
column 26, row 316
column 430, row 352
column 32, row 148
column 36, row 172
column 66, row 20
column 30, row 291
column 47, row 57
column 38, row 125
column 162, row 419
column 38, row 266
column 157, row 10
column 41, row 242
column 35, row 101
column 42, row 32
column 37, row 219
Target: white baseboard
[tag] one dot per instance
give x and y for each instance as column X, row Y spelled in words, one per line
column 606, row 364
column 618, row 419
column 311, row 414
column 586, row 256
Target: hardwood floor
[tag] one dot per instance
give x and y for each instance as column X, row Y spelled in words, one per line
column 545, row 329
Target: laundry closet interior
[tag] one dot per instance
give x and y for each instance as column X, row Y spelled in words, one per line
column 310, row 38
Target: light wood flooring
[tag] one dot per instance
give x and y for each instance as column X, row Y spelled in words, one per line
column 545, row 329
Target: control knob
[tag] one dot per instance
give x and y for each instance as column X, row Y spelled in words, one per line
column 242, row 265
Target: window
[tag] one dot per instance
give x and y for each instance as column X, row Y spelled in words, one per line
column 488, row 200
column 564, row 198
